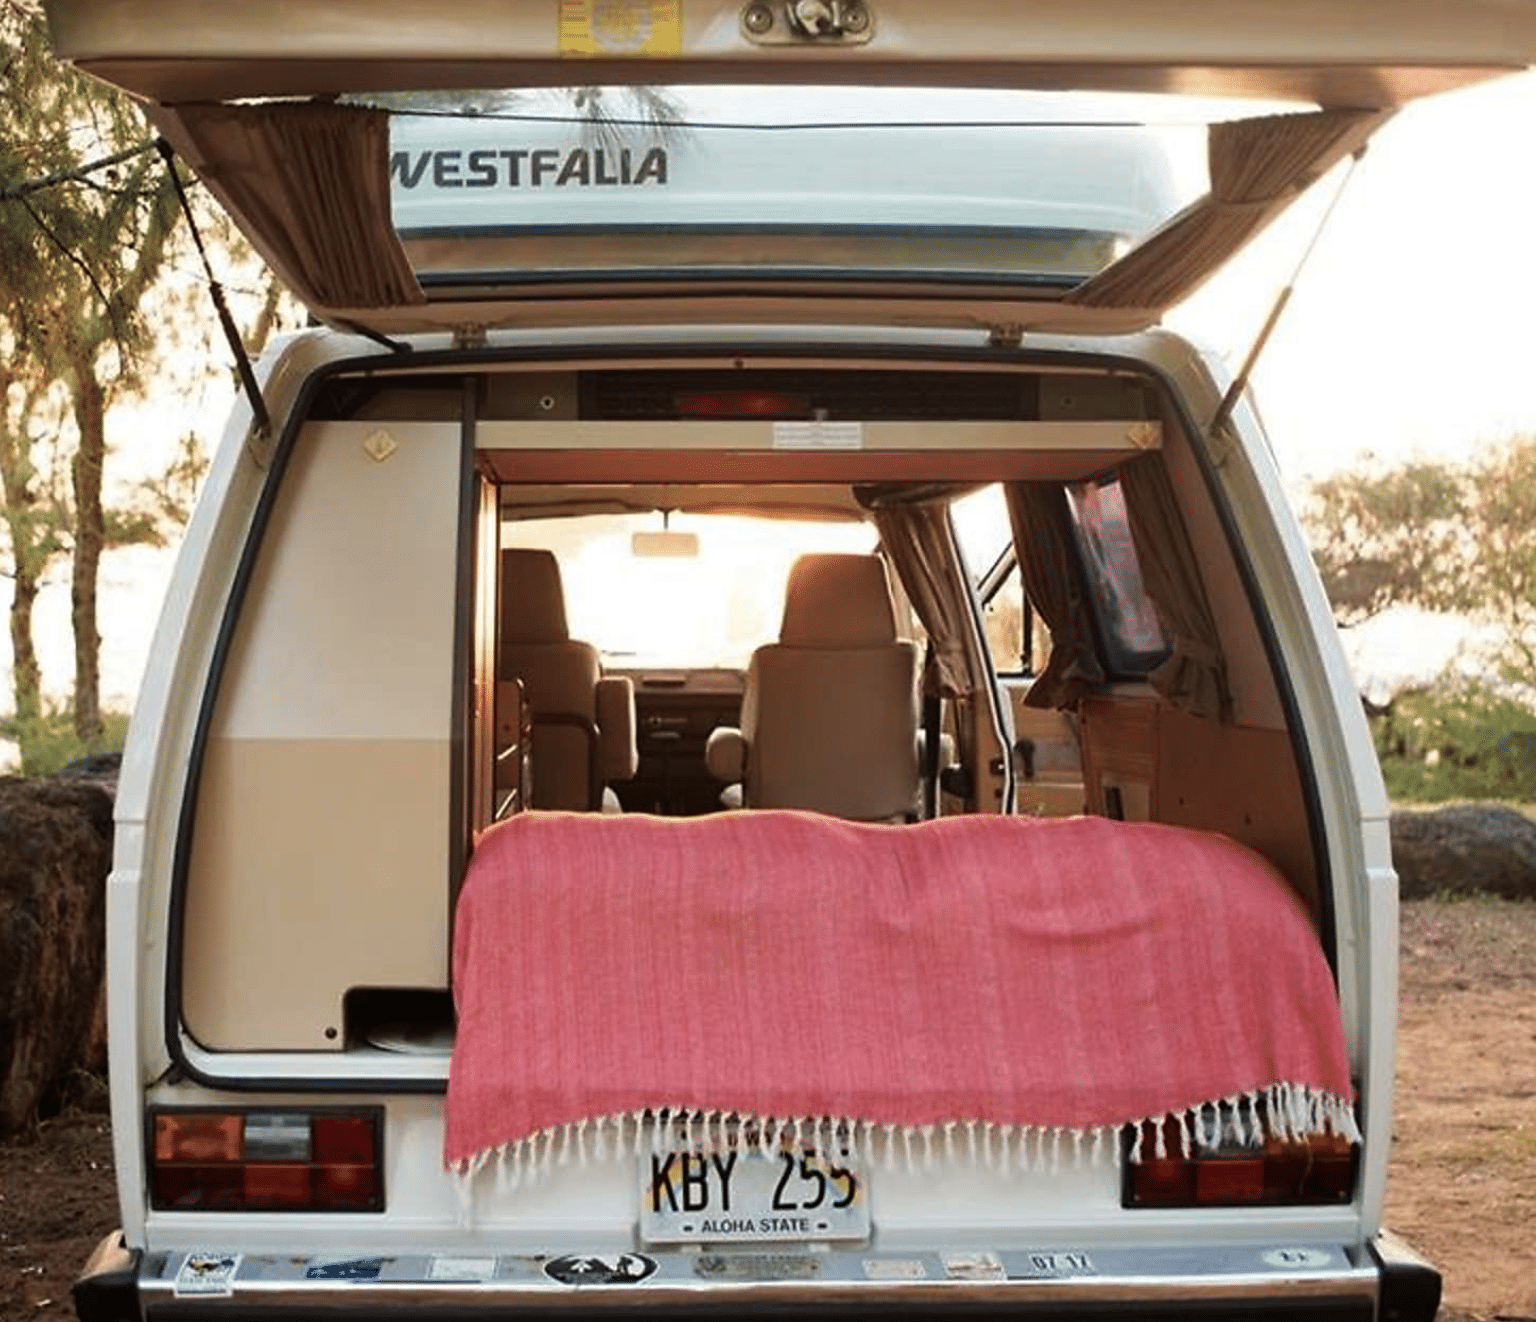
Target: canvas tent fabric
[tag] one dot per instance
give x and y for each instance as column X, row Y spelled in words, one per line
column 1257, row 168
column 309, row 184
column 777, row 969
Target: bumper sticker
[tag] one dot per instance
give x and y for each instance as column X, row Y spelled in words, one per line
column 1298, row 1257
column 757, row 1267
column 344, row 1269
column 458, row 1268
column 973, row 1267
column 895, row 1269
column 600, row 1268
column 207, row 1274
column 1053, row 1264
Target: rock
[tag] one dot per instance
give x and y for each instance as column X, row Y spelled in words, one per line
column 55, row 852
column 101, row 769
column 1463, row 849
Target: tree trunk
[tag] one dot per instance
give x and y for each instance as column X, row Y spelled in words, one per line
column 55, row 850
column 90, row 535
column 26, row 677
column 31, row 547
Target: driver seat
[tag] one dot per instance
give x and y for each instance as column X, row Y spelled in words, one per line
column 829, row 716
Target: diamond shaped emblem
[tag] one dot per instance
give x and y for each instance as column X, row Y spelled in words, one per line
column 380, row 445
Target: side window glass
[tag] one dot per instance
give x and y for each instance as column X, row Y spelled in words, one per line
column 1017, row 638
column 1002, row 616
column 1134, row 642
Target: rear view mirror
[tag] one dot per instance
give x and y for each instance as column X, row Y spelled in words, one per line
column 665, row 543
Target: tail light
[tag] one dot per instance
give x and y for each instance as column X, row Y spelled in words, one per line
column 1223, row 1165
column 251, row 1161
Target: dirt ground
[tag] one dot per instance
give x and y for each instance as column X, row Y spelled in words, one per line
column 1462, row 1187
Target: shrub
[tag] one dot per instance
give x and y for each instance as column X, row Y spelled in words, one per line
column 1460, row 738
column 48, row 741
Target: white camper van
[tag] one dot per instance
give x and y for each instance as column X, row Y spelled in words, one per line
column 737, row 728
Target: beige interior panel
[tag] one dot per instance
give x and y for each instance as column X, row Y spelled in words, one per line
column 1239, row 780
column 320, row 856
column 317, row 866
column 1120, row 437
column 347, row 630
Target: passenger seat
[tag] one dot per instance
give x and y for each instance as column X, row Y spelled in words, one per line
column 829, row 715
column 583, row 722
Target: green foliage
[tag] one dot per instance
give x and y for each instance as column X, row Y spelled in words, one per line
column 1455, row 537
column 48, row 740
column 1459, row 738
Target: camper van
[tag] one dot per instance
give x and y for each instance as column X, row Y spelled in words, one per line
column 738, row 728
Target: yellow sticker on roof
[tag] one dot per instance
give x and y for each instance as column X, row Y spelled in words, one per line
column 621, row 27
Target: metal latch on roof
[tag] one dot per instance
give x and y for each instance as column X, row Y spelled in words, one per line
column 1005, row 335
column 796, row 22
column 471, row 335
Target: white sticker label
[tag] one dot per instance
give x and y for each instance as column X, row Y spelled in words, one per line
column 818, row 436
column 207, row 1273
column 895, row 1269
column 1057, row 1263
column 973, row 1267
column 461, row 1269
column 1311, row 1258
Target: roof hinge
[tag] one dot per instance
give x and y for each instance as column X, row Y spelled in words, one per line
column 1221, row 442
column 258, row 443
column 1005, row 335
column 471, row 335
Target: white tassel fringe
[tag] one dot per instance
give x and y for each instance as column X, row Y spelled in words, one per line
column 1290, row 1112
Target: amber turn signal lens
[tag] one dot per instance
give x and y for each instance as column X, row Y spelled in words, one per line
column 190, row 1136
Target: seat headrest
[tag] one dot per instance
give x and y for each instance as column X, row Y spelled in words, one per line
column 838, row 601
column 532, row 600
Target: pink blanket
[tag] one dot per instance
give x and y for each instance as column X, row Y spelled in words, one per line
column 1075, row 975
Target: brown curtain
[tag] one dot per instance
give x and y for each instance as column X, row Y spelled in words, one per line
column 1043, row 538
column 916, row 538
column 311, row 183
column 1194, row 677
column 1257, row 167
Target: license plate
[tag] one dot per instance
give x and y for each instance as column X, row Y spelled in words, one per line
column 747, row 1194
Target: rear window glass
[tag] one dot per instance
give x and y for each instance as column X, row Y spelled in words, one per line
column 514, row 186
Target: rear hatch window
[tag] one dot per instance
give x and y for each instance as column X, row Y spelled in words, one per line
column 1033, row 189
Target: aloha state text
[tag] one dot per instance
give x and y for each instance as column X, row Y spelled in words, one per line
column 541, row 167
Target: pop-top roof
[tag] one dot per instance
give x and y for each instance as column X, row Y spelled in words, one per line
column 707, row 160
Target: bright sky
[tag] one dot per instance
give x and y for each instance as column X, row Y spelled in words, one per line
column 1411, row 331
column 1411, row 327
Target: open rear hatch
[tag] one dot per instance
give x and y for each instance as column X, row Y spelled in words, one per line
column 686, row 169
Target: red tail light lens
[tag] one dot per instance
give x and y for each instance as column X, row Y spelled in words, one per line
column 741, row 404
column 245, row 1161
column 1234, row 1172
